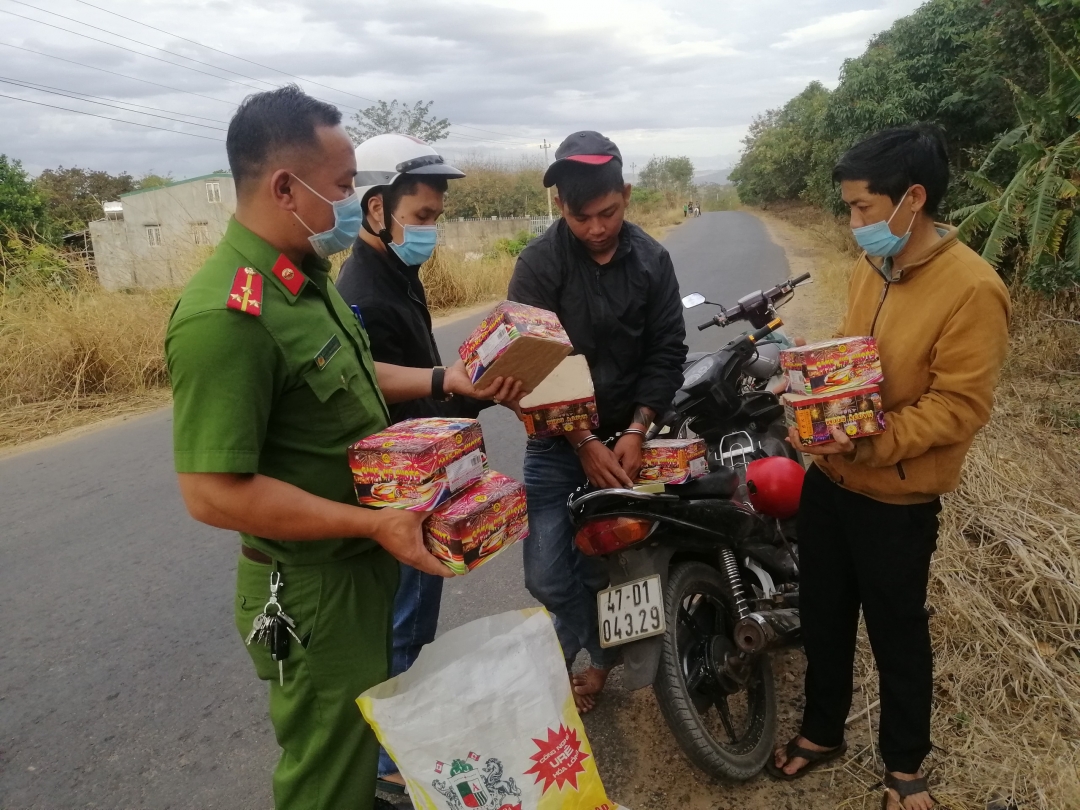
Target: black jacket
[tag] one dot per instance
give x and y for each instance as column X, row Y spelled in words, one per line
column 624, row 316
column 394, row 310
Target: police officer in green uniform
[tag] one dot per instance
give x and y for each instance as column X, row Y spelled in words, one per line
column 272, row 380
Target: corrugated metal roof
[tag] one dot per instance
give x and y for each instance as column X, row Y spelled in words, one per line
column 215, row 176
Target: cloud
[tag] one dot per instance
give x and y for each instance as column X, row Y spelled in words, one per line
column 665, row 76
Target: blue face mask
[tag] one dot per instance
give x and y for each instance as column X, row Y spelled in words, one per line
column 417, row 243
column 879, row 240
column 348, row 215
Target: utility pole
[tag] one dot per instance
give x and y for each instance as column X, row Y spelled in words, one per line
column 545, row 146
column 633, row 171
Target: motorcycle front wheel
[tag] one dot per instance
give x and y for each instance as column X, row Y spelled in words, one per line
column 723, row 725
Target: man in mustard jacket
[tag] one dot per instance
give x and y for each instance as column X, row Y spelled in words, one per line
column 868, row 520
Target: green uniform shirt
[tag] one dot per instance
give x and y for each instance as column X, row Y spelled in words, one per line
column 248, row 393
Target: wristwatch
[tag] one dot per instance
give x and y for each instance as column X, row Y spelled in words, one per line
column 438, row 393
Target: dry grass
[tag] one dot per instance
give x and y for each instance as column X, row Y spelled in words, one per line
column 1005, row 584
column 452, row 281
column 71, row 353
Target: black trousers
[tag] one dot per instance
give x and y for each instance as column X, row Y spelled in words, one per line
column 857, row 552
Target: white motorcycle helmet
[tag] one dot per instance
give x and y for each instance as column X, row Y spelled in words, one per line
column 383, row 159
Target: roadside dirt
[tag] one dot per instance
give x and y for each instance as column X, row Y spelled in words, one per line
column 640, row 762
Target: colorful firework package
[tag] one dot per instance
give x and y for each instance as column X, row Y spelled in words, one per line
column 418, row 464
column 672, row 461
column 563, row 402
column 518, row 341
column 485, row 719
column 832, row 365
column 478, row 523
column 856, row 411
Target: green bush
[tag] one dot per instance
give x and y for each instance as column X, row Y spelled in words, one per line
column 512, row 246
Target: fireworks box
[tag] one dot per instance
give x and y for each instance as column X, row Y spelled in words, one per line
column 563, row 402
column 518, row 341
column 856, row 411
column 672, row 461
column 475, row 525
column 832, row 365
column 418, row 464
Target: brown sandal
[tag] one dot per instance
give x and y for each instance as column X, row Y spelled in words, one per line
column 904, row 788
column 813, row 759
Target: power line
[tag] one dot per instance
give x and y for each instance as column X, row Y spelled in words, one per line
column 105, row 104
column 131, row 50
column 259, row 64
column 77, row 94
column 138, row 42
column 107, row 118
column 121, row 75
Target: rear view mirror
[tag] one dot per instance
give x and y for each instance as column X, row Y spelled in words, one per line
column 693, row 300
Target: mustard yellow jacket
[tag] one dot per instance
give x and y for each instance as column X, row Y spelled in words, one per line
column 942, row 328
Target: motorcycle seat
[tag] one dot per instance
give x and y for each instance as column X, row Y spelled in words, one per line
column 721, row 483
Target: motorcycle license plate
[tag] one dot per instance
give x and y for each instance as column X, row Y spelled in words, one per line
column 630, row 612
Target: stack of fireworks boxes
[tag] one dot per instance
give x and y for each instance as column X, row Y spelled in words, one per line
column 440, row 465
column 834, row 383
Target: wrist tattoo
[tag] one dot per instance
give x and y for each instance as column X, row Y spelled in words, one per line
column 643, row 416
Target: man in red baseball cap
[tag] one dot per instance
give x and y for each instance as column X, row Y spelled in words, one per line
column 614, row 289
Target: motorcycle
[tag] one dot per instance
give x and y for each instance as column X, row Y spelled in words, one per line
column 704, row 574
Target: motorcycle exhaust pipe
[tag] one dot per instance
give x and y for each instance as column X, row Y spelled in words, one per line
column 768, row 629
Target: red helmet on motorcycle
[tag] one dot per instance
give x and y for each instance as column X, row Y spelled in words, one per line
column 775, row 484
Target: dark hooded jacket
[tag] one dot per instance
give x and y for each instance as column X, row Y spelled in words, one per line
column 393, row 307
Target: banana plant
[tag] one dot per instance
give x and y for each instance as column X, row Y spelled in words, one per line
column 1031, row 221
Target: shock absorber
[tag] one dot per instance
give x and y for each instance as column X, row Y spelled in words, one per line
column 734, row 581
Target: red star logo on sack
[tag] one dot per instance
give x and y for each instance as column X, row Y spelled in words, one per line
column 559, row 760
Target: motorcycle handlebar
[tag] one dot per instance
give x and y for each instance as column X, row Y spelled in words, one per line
column 703, row 326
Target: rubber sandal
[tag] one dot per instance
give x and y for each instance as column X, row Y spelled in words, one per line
column 392, row 788
column 813, row 759
column 904, row 788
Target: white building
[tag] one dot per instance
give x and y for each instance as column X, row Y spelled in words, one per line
column 157, row 237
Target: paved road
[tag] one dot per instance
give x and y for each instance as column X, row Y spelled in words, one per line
column 122, row 681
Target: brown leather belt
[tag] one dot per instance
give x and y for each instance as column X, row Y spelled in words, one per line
column 254, row 555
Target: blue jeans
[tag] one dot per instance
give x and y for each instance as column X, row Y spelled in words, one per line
column 559, row 576
column 416, row 617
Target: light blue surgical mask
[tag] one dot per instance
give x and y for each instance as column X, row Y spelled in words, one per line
column 348, row 216
column 879, row 240
column 417, row 243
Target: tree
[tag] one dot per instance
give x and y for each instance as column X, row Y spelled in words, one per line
column 382, row 118
column 1031, row 221
column 74, row 196
column 151, row 180
column 21, row 207
column 668, row 174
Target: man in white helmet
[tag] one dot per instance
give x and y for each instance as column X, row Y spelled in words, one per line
column 401, row 182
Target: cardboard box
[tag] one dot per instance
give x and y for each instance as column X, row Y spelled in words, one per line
column 672, row 461
column 418, row 464
column 832, row 365
column 857, row 412
column 518, row 341
column 563, row 402
column 474, row 526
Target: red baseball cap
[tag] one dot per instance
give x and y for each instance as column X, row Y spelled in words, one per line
column 587, row 147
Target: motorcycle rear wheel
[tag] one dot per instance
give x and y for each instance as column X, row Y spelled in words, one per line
column 724, row 730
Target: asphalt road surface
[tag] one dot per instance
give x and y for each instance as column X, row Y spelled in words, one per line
column 123, row 683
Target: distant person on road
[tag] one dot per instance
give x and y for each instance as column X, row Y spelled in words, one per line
column 401, row 182
column 868, row 519
column 685, row 209
column 272, row 380
column 614, row 289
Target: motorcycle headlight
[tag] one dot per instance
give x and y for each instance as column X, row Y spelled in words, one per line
column 696, row 373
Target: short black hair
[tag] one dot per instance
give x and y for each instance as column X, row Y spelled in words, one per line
column 894, row 160
column 405, row 185
column 581, row 183
column 267, row 122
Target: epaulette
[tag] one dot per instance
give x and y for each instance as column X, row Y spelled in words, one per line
column 246, row 292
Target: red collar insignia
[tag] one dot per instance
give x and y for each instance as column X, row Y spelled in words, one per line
column 288, row 274
column 246, row 292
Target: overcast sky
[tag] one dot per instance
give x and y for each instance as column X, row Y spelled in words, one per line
column 658, row 76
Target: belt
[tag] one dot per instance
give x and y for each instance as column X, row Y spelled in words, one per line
column 255, row 555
